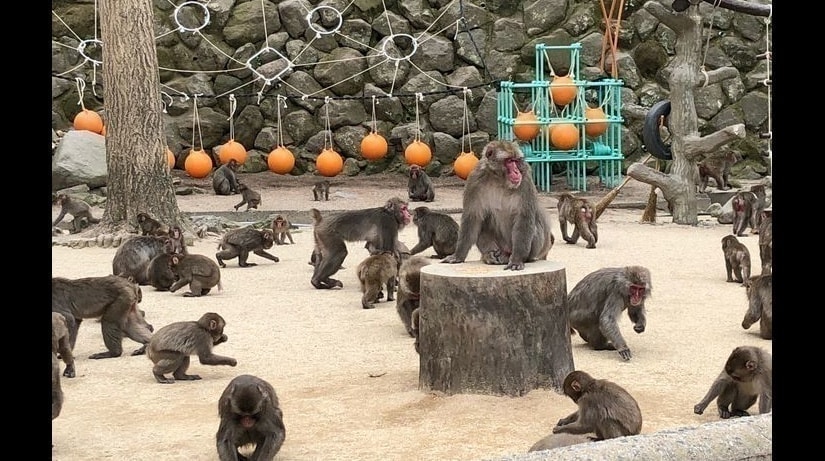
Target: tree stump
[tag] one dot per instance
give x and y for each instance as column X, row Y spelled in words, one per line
column 485, row 330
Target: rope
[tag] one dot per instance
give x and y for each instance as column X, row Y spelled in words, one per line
column 81, row 85
column 196, row 123
column 327, row 127
column 233, row 104
column 281, row 130
column 374, row 123
column 611, row 36
column 716, row 3
column 466, row 124
column 419, row 97
column 767, row 83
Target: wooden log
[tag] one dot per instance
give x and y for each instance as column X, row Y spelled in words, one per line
column 486, row 330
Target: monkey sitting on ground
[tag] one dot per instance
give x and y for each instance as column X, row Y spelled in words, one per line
column 605, row 408
column 375, row 271
column 225, row 178
column 237, row 243
column 409, row 290
column 760, row 305
column 172, row 345
column 57, row 389
column 435, row 229
column 580, row 212
column 249, row 197
column 419, row 185
column 737, row 260
column 79, row 210
column 133, row 256
column 718, row 168
column 151, row 226
column 62, row 344
column 280, row 227
column 320, row 190
column 501, row 213
column 250, row 415
column 748, row 375
column 766, row 242
column 378, row 226
column 597, row 301
column 199, row 271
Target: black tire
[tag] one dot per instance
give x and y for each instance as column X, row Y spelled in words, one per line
column 650, row 133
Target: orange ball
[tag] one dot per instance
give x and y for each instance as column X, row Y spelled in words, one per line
column 170, row 158
column 526, row 127
column 280, row 160
column 418, row 153
column 232, row 150
column 563, row 90
column 88, row 120
column 595, row 129
column 464, row 164
column 565, row 136
column 374, row 146
column 329, row 163
column 198, row 163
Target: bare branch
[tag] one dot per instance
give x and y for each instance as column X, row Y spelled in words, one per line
column 717, row 75
column 668, row 17
column 696, row 147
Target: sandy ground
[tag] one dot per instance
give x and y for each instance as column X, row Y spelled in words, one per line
column 347, row 378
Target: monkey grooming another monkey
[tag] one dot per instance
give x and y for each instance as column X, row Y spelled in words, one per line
column 250, row 415
column 409, row 290
column 737, row 260
column 172, row 345
column 760, row 305
column 62, row 344
column 238, row 243
column 747, row 375
column 280, row 227
column 151, row 226
column 321, row 190
column 597, row 301
column 437, row 230
column 79, row 210
column 501, row 213
column 199, row 271
column 133, row 256
column 249, row 197
column 378, row 226
column 419, row 185
column 580, row 212
column 605, row 408
column 374, row 272
column 225, row 178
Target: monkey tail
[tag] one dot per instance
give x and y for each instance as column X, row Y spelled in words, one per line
column 220, row 286
column 316, row 215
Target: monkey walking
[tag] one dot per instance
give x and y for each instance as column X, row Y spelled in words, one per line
column 605, row 408
column 250, row 415
column 718, row 168
column 746, row 377
column 320, row 190
column 198, row 271
column 280, row 227
column 737, row 260
column 374, row 272
column 62, row 344
column 501, row 213
column 437, row 230
column 580, row 212
column 760, row 305
column 79, row 210
column 225, row 178
column 248, row 196
column 419, row 185
column 238, row 243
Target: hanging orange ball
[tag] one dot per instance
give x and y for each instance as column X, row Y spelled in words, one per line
column 565, row 136
column 88, row 120
column 464, row 164
column 280, row 160
column 373, row 146
column 170, row 158
column 329, row 163
column 526, row 126
column 595, row 129
column 563, row 90
column 418, row 153
column 198, row 163
column 232, row 150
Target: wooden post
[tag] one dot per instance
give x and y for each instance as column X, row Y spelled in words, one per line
column 486, row 330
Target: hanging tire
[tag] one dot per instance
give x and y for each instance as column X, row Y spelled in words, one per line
column 650, row 133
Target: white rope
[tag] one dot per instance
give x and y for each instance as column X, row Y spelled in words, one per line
column 233, row 104
column 196, row 123
column 466, row 124
column 327, row 126
column 767, row 83
column 81, row 85
column 278, row 101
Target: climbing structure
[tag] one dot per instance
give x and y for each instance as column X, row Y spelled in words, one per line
column 571, row 128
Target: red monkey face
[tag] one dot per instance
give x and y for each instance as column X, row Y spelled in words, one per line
column 513, row 172
column 637, row 294
column 406, row 214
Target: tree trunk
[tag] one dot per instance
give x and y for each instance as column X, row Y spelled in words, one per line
column 489, row 331
column 138, row 176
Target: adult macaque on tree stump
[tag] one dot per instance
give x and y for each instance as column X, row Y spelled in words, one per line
column 487, row 331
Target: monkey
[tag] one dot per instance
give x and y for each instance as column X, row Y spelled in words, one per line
column 237, row 243
column 320, row 190
column 435, row 229
column 419, row 185
column 280, row 227
column 151, row 226
column 596, row 302
column 559, row 440
column 133, row 256
column 766, row 242
column 747, row 375
column 760, row 305
column 79, row 210
column 112, row 299
column 225, row 178
column 172, row 345
column 62, row 344
column 580, row 212
column 737, row 260
column 747, row 209
column 718, row 168
column 377, row 270
column 501, row 213
column 57, row 388
column 250, row 414
column 605, row 408
column 409, row 290
column 159, row 272
column 378, row 226
column 415, row 322
column 249, row 197
column 199, row 271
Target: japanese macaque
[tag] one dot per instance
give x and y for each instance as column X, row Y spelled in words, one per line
column 580, row 213
column 435, row 229
column 419, row 185
column 746, row 377
column 81, row 212
column 238, row 243
column 737, row 260
column 760, row 305
column 250, row 416
column 225, row 178
column 320, row 191
column 280, row 227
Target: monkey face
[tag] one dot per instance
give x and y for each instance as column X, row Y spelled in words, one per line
column 405, row 213
column 636, row 294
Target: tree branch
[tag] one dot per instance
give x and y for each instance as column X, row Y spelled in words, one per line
column 742, row 6
column 717, row 75
column 696, row 147
column 668, row 17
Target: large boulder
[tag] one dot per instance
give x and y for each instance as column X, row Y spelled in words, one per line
column 80, row 158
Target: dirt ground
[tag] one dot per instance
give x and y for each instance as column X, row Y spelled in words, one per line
column 347, row 378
